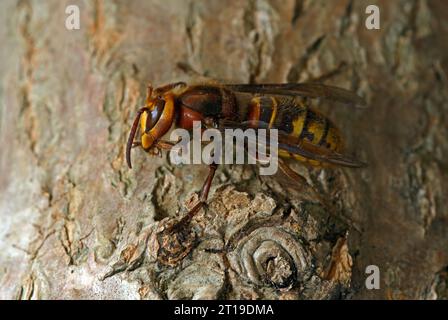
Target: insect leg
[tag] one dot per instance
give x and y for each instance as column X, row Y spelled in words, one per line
column 208, row 182
column 202, row 197
column 178, row 239
column 164, row 145
column 296, row 177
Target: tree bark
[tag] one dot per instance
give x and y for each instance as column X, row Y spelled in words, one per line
column 77, row 223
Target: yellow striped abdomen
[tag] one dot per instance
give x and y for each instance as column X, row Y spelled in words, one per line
column 298, row 120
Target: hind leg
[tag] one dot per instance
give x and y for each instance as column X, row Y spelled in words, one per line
column 301, row 181
column 296, row 177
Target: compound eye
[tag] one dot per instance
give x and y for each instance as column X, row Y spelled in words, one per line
column 154, row 115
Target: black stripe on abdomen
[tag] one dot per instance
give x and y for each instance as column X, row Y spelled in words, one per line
column 305, row 134
column 323, row 139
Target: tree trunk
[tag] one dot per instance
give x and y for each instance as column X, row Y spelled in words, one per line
column 77, row 223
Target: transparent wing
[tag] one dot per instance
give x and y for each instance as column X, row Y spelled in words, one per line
column 310, row 90
column 297, row 146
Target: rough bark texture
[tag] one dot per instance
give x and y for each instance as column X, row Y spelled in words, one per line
column 76, row 223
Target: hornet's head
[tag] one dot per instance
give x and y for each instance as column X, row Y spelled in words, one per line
column 155, row 119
